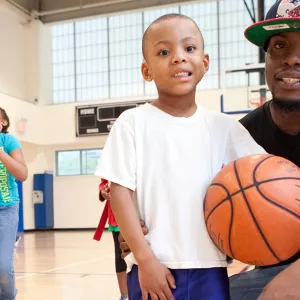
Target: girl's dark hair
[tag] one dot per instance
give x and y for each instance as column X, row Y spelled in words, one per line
column 6, row 118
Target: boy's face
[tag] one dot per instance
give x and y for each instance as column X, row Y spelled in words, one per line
column 175, row 59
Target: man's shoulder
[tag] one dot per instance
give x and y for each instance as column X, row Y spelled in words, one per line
column 254, row 117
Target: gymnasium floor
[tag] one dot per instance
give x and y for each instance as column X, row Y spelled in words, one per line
column 68, row 265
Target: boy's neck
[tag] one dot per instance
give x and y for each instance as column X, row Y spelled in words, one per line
column 177, row 106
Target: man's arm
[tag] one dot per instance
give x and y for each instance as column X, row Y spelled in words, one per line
column 285, row 286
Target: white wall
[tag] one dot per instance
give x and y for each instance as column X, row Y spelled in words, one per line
column 12, row 53
column 76, row 202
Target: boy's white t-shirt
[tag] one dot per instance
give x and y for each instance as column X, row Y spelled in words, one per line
column 170, row 162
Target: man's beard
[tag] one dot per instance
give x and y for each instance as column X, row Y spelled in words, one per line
column 287, row 106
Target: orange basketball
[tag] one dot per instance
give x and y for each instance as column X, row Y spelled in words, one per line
column 252, row 209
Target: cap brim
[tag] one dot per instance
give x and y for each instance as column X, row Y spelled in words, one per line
column 259, row 33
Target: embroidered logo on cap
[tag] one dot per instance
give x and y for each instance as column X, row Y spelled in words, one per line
column 276, row 27
column 288, row 9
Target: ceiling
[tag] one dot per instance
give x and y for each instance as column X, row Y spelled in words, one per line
column 49, row 11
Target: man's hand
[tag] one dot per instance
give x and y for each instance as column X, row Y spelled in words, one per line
column 124, row 246
column 285, row 286
column 155, row 280
column 105, row 192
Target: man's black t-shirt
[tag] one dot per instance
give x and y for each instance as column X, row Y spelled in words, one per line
column 265, row 132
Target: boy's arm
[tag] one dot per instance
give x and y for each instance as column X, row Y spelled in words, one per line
column 123, row 244
column 118, row 166
column 125, row 212
column 155, row 279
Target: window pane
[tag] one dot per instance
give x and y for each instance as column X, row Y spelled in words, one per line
column 106, row 52
column 63, row 61
column 91, row 58
column 205, row 15
column 125, row 32
column 90, row 160
column 235, row 50
column 68, row 163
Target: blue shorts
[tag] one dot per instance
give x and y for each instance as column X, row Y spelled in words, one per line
column 194, row 284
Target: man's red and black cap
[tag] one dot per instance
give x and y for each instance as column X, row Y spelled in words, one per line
column 283, row 16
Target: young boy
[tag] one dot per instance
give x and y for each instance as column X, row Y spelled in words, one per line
column 161, row 159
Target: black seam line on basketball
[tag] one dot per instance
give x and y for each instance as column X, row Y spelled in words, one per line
column 269, row 200
column 245, row 188
column 278, row 205
column 224, row 200
column 258, row 183
column 228, row 198
column 251, row 212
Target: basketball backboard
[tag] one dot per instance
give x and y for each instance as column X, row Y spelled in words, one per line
column 242, row 91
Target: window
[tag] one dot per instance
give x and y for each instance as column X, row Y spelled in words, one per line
column 125, row 46
column 63, row 63
column 91, row 60
column 206, row 17
column 89, row 161
column 149, row 16
column 100, row 58
column 235, row 50
column 77, row 162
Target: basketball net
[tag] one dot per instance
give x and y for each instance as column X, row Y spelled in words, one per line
column 258, row 101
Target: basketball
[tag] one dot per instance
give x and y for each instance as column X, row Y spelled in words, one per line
column 252, row 209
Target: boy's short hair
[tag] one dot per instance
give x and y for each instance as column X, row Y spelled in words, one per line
column 163, row 18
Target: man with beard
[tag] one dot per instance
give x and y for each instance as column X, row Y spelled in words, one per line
column 276, row 127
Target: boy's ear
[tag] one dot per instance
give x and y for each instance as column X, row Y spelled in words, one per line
column 206, row 62
column 146, row 72
column 4, row 123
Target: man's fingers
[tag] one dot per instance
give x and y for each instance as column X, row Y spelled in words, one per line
column 145, row 230
column 124, row 254
column 124, row 246
column 120, row 238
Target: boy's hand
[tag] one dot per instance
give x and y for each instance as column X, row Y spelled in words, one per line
column 105, row 192
column 155, row 280
column 124, row 246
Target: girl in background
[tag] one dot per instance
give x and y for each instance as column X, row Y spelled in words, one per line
column 12, row 167
column 120, row 264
